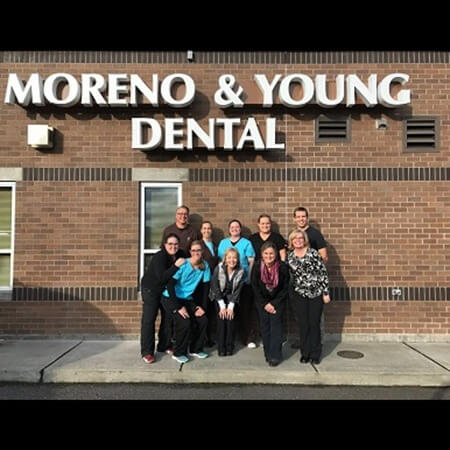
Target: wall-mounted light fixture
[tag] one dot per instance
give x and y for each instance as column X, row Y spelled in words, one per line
column 190, row 55
column 381, row 124
column 40, row 136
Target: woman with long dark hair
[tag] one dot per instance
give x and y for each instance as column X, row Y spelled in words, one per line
column 270, row 280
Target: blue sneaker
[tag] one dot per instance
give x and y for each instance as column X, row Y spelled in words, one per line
column 201, row 355
column 181, row 359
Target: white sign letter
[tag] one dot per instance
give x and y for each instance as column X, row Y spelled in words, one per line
column 251, row 133
column 33, row 91
column 321, row 91
column 115, row 88
column 137, row 125
column 384, row 90
column 367, row 93
column 136, row 84
column 172, row 133
column 194, row 128
column 51, row 88
column 285, row 90
column 271, row 134
column 266, row 88
column 228, row 125
column 166, row 90
column 91, row 86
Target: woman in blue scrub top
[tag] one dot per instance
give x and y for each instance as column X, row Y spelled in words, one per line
column 189, row 312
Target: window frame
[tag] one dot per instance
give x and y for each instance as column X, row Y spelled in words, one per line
column 142, row 251
column 6, row 290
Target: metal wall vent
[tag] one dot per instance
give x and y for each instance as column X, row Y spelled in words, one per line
column 421, row 134
column 332, row 129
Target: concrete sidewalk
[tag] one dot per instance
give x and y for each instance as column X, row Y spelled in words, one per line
column 119, row 361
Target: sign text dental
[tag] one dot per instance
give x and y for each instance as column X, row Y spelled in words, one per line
column 178, row 90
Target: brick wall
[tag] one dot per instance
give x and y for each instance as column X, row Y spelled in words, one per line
column 385, row 213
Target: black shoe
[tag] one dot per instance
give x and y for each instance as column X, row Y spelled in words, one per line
column 273, row 362
column 295, row 344
column 316, row 361
column 222, row 353
column 304, row 359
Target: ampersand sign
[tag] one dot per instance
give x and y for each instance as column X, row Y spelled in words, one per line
column 226, row 96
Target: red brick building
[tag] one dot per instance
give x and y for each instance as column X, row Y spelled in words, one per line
column 79, row 216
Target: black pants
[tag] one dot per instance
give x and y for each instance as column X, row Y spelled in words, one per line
column 211, row 329
column 308, row 312
column 189, row 333
column 272, row 332
column 152, row 303
column 225, row 331
column 248, row 316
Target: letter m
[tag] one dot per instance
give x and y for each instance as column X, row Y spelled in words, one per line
column 16, row 92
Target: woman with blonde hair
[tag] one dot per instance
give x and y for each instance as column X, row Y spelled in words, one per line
column 308, row 292
column 248, row 320
column 226, row 287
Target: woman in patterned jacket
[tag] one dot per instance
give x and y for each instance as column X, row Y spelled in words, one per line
column 308, row 292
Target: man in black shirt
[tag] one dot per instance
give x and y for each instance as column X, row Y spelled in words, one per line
column 316, row 239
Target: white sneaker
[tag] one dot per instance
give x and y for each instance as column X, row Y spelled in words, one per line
column 201, row 355
column 251, row 345
column 182, row 359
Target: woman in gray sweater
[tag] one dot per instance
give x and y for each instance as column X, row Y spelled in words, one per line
column 226, row 286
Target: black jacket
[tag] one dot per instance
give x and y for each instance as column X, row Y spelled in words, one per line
column 262, row 295
column 160, row 271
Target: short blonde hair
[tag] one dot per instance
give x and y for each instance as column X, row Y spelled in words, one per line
column 294, row 233
column 231, row 250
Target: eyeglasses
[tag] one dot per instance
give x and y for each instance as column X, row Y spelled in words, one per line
column 173, row 243
column 195, row 251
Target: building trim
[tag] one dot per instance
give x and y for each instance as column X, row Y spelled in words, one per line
column 77, row 174
column 256, row 174
column 71, row 293
column 300, row 174
column 11, row 174
column 159, row 174
column 121, row 293
column 226, row 57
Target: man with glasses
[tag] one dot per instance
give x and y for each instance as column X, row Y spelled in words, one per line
column 162, row 267
column 183, row 229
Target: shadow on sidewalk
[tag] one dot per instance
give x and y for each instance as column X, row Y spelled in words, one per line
column 63, row 313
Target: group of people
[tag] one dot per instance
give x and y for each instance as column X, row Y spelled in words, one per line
column 240, row 287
